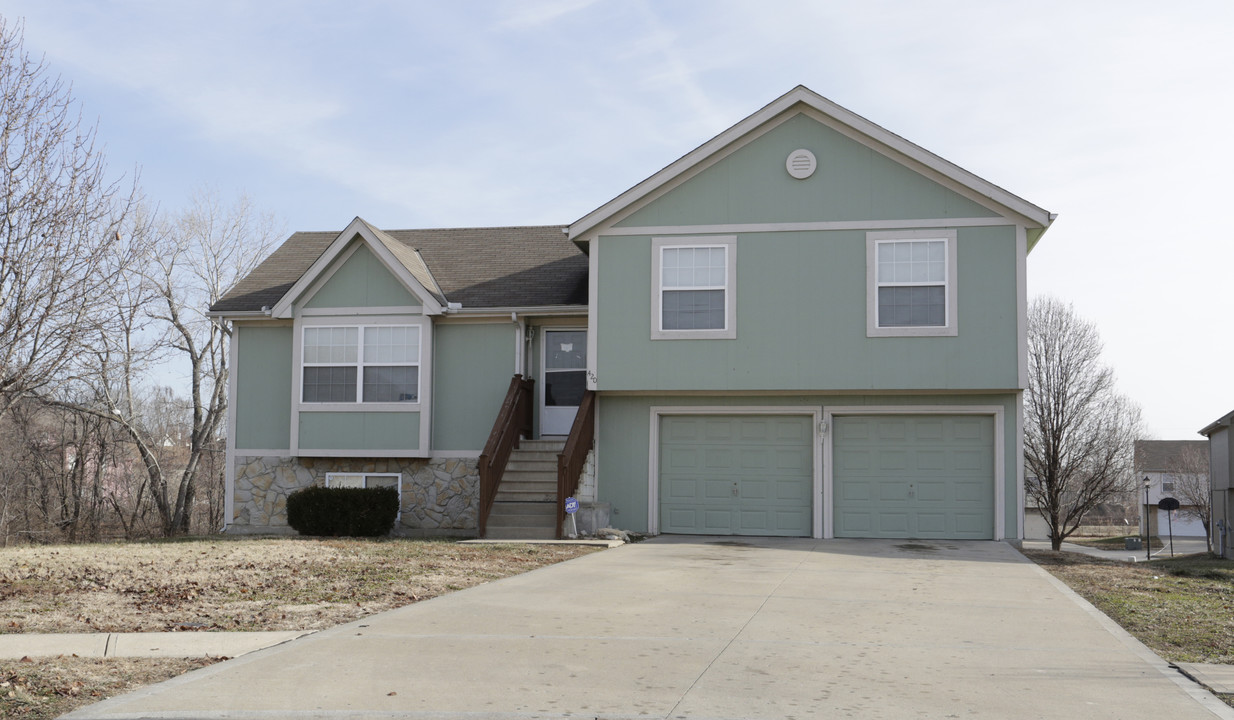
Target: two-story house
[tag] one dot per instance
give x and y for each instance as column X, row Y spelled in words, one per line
column 807, row 326
column 1177, row 469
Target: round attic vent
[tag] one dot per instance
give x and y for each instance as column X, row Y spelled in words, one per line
column 801, row 164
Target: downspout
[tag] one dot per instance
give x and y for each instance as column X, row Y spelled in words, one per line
column 520, row 333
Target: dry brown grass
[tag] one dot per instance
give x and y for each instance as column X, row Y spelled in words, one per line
column 1182, row 608
column 46, row 688
column 241, row 584
column 215, row 584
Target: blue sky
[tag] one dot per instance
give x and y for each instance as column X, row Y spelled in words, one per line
column 1113, row 114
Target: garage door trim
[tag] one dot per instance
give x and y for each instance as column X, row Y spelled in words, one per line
column 653, row 466
column 830, row 413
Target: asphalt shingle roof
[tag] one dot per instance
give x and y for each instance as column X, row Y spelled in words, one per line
column 477, row 267
column 1166, row 455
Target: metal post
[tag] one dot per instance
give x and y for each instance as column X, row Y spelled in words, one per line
column 1148, row 537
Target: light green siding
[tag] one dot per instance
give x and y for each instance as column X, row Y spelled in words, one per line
column 263, row 387
column 801, row 321
column 623, row 440
column 359, row 431
column 852, row 182
column 362, row 281
column 472, row 367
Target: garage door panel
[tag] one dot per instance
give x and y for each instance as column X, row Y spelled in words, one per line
column 755, row 473
column 914, row 476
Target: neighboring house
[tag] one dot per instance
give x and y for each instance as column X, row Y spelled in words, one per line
column 807, row 326
column 1220, row 456
column 1113, row 515
column 1166, row 466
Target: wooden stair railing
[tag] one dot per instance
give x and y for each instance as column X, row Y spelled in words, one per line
column 513, row 419
column 572, row 458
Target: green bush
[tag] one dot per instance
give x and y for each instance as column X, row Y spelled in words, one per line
column 353, row 512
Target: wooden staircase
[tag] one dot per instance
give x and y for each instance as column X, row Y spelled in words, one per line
column 525, row 507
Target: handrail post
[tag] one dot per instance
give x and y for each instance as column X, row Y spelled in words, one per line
column 513, row 419
column 574, row 455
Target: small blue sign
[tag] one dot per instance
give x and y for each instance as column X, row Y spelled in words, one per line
column 571, row 505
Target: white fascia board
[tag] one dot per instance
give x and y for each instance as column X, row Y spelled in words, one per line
column 283, row 308
column 870, row 134
column 533, row 311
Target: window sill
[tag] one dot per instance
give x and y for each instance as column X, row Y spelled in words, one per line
column 360, row 407
column 946, row 331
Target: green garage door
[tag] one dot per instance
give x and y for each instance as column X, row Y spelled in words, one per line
column 914, row 476
column 736, row 474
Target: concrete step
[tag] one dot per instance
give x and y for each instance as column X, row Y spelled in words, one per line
column 520, row 533
column 553, row 446
column 534, row 496
column 524, row 509
column 519, row 463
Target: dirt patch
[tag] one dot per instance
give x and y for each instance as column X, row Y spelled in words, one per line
column 46, row 688
column 242, row 584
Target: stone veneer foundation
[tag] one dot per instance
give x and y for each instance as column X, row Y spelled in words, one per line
column 440, row 496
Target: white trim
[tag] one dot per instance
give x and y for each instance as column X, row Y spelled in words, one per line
column 229, row 453
column 285, row 307
column 262, row 452
column 1019, row 466
column 1000, row 474
column 1021, row 305
column 738, row 228
column 653, row 453
column 593, row 321
column 528, row 310
column 950, row 291
column 542, row 381
column 366, row 310
column 380, row 453
column 658, row 246
column 361, row 364
column 844, row 121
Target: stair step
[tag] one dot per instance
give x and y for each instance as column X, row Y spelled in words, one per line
column 518, row 463
column 529, row 509
column 553, row 446
column 521, row 533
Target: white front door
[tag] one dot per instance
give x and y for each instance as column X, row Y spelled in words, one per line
column 565, row 379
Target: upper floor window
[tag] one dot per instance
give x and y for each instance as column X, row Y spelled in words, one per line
column 372, row 364
column 693, row 289
column 911, row 283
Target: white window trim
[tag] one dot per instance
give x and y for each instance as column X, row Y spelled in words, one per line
column 398, row 485
column 360, row 364
column 658, row 246
column 950, row 293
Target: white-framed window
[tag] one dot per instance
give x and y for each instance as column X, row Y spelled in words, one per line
column 911, row 283
column 361, row 363
column 694, row 283
column 1167, row 486
column 368, row 480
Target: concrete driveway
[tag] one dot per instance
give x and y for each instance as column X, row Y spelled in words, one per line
column 713, row 628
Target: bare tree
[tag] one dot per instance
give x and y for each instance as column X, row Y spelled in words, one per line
column 191, row 261
column 58, row 216
column 1079, row 432
column 1192, row 488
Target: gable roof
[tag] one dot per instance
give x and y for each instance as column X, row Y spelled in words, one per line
column 1165, row 455
column 504, row 267
column 802, row 99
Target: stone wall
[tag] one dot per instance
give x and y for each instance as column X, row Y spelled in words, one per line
column 440, row 496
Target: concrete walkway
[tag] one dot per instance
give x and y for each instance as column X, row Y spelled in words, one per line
column 713, row 628
column 1182, row 546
